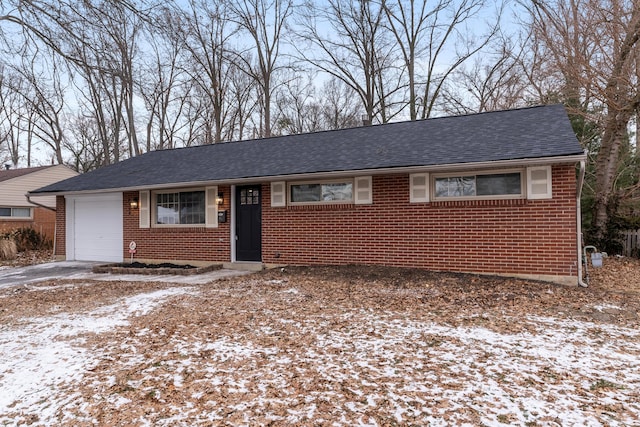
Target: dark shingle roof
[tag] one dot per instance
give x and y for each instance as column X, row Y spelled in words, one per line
column 526, row 133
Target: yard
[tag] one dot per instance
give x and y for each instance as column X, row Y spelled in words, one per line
column 324, row 347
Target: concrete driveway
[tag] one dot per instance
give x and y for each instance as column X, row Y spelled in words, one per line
column 14, row 276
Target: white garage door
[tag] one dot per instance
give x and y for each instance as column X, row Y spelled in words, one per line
column 94, row 227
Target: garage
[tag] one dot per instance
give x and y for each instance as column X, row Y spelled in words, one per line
column 94, row 227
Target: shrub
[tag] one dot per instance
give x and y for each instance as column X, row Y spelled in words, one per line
column 28, row 239
column 8, row 249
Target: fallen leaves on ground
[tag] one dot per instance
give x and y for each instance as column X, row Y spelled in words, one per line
column 325, row 346
column 28, row 258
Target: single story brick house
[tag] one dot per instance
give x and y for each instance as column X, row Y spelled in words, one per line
column 17, row 211
column 489, row 193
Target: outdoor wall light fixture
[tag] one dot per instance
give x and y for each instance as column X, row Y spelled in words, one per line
column 220, row 198
column 134, row 203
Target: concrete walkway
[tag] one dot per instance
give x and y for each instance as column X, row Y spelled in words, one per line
column 14, row 276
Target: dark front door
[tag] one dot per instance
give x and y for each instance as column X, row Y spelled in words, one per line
column 248, row 224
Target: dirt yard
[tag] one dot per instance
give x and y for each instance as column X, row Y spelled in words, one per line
column 324, row 347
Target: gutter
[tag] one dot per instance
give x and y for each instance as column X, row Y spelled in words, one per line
column 579, row 223
column 28, row 196
column 451, row 167
column 55, row 226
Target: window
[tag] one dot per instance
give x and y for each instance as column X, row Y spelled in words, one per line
column 322, row 192
column 187, row 207
column 498, row 185
column 15, row 212
column 249, row 196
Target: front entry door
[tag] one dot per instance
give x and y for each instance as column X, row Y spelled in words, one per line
column 248, row 223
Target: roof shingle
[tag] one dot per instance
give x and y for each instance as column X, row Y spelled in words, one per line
column 527, row 133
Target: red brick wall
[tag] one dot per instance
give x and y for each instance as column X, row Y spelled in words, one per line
column 534, row 237
column 189, row 243
column 61, row 227
column 43, row 222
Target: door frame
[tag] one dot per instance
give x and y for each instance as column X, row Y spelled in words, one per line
column 232, row 223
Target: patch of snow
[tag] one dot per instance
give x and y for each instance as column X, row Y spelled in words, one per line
column 602, row 307
column 44, row 356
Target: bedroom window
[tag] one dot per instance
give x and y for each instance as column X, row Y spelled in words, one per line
column 495, row 185
column 180, row 208
column 15, row 212
column 321, row 192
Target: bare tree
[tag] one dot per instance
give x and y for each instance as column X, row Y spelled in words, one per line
column 12, row 113
column 298, row 110
column 206, row 35
column 164, row 84
column 84, row 144
column 493, row 81
column 43, row 92
column 594, row 45
column 264, row 21
column 244, row 102
column 356, row 50
column 439, row 36
column 340, row 108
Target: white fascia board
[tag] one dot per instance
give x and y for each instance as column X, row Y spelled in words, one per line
column 350, row 173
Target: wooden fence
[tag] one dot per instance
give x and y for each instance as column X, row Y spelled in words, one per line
column 631, row 242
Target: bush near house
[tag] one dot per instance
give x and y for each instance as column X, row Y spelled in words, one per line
column 28, row 239
column 8, row 249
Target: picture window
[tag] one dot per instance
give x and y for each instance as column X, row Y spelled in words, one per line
column 479, row 186
column 180, row 208
column 323, row 192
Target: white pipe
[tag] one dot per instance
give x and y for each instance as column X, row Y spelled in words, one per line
column 579, row 223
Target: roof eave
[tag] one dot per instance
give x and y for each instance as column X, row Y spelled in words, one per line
column 453, row 167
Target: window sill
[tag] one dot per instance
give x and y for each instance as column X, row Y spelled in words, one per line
column 478, row 202
column 322, row 207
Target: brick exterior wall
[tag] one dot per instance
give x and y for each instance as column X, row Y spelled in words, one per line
column 511, row 237
column 43, row 222
column 521, row 237
column 179, row 243
column 61, row 227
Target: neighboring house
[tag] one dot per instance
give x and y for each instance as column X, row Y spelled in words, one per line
column 491, row 193
column 16, row 211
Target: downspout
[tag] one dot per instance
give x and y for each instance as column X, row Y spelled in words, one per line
column 55, row 226
column 39, row 204
column 579, row 222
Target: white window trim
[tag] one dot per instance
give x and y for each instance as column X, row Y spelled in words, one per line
column 17, row 218
column 208, row 217
column 523, row 185
column 322, row 202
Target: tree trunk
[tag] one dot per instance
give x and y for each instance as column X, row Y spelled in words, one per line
column 606, row 168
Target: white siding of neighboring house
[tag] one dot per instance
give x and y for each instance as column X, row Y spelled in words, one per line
column 12, row 191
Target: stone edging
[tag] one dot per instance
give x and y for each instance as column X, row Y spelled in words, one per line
column 119, row 269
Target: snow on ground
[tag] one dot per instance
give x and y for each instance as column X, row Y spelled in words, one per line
column 299, row 366
column 42, row 356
